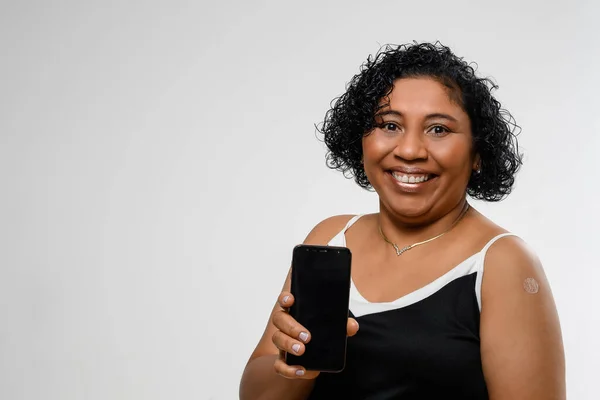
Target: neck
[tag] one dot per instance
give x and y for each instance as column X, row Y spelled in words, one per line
column 404, row 230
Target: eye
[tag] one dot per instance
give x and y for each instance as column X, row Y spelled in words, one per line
column 439, row 130
column 389, row 127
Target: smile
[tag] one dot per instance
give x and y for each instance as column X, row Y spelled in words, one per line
column 410, row 178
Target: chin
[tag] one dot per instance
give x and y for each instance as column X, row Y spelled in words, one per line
column 407, row 208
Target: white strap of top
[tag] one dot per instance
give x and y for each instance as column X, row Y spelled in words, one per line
column 351, row 222
column 340, row 238
column 493, row 240
column 479, row 279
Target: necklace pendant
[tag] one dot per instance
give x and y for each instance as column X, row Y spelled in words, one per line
column 402, row 250
column 399, row 251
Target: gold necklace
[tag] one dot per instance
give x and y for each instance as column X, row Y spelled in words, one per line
column 399, row 251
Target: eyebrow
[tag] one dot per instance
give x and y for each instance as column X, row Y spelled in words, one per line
column 428, row 116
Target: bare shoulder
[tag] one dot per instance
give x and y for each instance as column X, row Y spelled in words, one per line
column 325, row 230
column 511, row 261
column 514, row 278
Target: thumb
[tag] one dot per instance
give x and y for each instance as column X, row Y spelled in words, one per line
column 352, row 327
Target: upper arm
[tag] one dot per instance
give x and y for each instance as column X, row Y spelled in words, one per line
column 321, row 234
column 521, row 345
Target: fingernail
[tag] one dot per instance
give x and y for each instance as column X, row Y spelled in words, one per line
column 303, row 336
column 296, row 348
column 286, row 298
column 300, row 372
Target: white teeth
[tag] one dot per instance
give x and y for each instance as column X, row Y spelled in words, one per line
column 411, row 178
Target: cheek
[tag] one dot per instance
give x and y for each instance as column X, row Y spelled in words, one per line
column 375, row 147
column 452, row 154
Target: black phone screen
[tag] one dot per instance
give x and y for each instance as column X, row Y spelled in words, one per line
column 320, row 283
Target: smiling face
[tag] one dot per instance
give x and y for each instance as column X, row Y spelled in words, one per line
column 419, row 157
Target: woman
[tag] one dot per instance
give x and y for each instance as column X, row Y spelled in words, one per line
column 421, row 129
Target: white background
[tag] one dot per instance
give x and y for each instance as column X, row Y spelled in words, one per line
column 158, row 163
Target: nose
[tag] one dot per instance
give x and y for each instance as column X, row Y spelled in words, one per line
column 411, row 146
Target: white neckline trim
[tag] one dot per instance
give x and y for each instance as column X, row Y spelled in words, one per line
column 361, row 306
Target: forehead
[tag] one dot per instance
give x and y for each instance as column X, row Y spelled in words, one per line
column 422, row 94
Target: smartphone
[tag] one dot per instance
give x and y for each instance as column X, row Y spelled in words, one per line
column 320, row 283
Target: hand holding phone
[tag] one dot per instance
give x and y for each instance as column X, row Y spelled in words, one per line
column 320, row 283
column 287, row 336
column 312, row 267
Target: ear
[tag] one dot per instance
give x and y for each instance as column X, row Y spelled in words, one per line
column 477, row 163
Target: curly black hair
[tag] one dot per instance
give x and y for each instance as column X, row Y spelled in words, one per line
column 352, row 115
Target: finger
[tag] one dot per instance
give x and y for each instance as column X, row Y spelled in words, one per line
column 285, row 300
column 288, row 325
column 285, row 343
column 352, row 327
column 293, row 371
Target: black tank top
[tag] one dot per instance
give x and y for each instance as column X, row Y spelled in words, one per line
column 424, row 345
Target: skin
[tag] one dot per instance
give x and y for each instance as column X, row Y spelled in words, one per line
column 423, row 127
